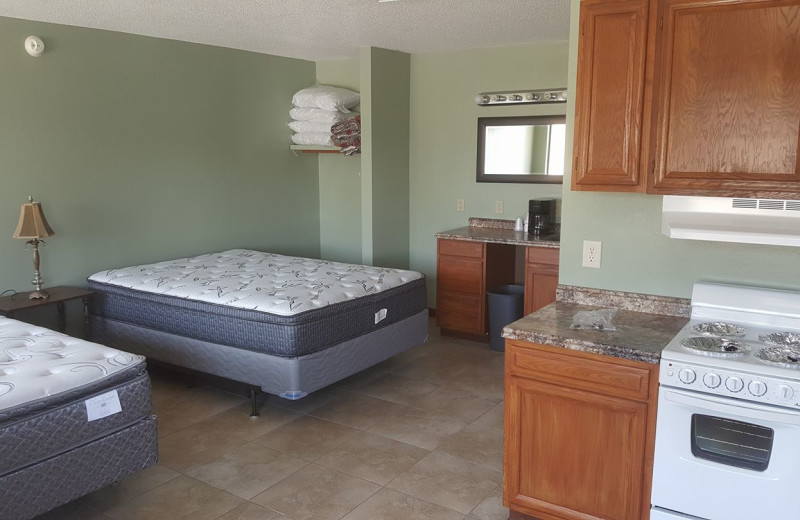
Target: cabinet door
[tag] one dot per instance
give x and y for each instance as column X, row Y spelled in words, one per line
column 728, row 99
column 610, row 95
column 572, row 454
column 460, row 280
column 541, row 277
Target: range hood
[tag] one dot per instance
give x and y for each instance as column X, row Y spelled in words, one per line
column 749, row 221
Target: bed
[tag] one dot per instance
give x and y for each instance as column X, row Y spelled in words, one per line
column 74, row 417
column 286, row 325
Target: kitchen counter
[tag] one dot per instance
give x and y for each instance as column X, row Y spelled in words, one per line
column 640, row 336
column 497, row 231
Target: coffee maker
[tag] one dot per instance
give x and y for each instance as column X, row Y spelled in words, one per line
column 542, row 216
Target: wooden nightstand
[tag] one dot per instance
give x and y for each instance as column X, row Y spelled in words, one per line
column 9, row 305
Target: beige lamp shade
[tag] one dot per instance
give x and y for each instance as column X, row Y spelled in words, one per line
column 32, row 222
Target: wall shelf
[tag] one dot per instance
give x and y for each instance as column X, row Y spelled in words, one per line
column 314, row 149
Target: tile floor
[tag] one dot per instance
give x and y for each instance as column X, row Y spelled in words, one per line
column 417, row 437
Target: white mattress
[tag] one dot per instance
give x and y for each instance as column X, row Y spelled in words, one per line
column 254, row 280
column 38, row 363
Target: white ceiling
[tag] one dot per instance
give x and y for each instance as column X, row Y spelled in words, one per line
column 316, row 30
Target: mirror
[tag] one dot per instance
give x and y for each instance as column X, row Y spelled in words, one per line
column 521, row 149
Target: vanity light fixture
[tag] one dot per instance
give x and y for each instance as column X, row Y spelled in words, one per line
column 522, row 97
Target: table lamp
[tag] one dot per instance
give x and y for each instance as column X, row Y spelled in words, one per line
column 33, row 226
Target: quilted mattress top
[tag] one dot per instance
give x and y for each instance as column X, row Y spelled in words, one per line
column 37, row 363
column 245, row 279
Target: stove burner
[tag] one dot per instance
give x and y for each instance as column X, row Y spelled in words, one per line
column 784, row 356
column 713, row 346
column 719, row 328
column 782, row 339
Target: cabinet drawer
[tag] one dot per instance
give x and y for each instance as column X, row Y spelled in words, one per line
column 459, row 275
column 460, row 312
column 573, row 370
column 542, row 255
column 461, row 248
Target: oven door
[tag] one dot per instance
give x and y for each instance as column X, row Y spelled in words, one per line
column 723, row 459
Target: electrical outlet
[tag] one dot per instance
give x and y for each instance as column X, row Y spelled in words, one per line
column 460, row 205
column 498, row 207
column 591, row 253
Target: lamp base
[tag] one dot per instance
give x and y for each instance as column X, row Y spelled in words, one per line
column 38, row 295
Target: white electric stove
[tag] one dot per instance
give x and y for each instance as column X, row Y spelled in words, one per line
column 728, row 425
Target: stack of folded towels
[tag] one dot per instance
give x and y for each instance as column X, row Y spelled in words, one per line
column 318, row 108
column 347, row 135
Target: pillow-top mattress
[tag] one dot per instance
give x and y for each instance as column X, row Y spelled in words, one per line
column 282, row 305
column 59, row 392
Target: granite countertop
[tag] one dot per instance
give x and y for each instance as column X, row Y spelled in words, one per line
column 640, row 336
column 498, row 231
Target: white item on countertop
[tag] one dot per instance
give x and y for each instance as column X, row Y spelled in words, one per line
column 312, row 139
column 518, row 226
column 310, row 126
column 326, row 98
column 319, row 115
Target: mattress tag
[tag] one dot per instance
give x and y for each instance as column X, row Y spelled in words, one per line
column 103, row 405
column 380, row 315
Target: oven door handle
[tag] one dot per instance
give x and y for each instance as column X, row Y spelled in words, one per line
column 742, row 409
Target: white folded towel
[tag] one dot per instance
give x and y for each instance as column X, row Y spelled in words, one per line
column 319, row 115
column 312, row 138
column 310, row 126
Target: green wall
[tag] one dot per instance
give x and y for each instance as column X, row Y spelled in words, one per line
column 340, row 180
column 143, row 149
column 636, row 256
column 444, row 122
column 385, row 103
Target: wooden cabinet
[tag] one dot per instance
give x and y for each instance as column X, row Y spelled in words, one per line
column 464, row 271
column 611, row 95
column 689, row 97
column 579, row 434
column 728, row 99
column 541, row 277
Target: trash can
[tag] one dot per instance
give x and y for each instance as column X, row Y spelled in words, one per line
column 506, row 304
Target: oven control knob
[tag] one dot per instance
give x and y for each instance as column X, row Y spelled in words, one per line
column 757, row 388
column 734, row 384
column 784, row 392
column 712, row 380
column 687, row 376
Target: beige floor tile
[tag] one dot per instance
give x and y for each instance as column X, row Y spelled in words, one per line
column 308, row 437
column 398, row 389
column 448, row 482
column 317, row 493
column 251, row 511
column 237, row 421
column 387, row 504
column 476, row 444
column 373, row 457
column 194, row 446
column 485, row 381
column 248, row 470
column 356, row 410
column 493, row 418
column 408, row 356
column 458, row 402
column 435, row 370
column 421, row 428
column 202, row 403
column 131, row 487
column 491, row 508
column 179, row 499
column 309, row 402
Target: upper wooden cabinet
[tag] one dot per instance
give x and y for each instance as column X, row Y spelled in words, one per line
column 611, row 90
column 728, row 104
column 707, row 103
